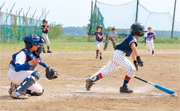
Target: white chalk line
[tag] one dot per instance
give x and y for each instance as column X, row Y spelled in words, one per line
column 106, row 97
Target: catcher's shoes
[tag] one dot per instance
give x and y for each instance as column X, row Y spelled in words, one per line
column 100, row 57
column 89, row 83
column 12, row 88
column 125, row 89
column 18, row 95
column 49, row 51
column 44, row 51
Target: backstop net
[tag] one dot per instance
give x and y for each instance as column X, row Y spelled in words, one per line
column 124, row 15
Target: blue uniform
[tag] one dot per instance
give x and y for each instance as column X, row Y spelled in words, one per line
column 29, row 56
column 97, row 38
column 125, row 45
column 46, row 31
column 150, row 35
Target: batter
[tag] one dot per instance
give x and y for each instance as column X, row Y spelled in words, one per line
column 118, row 58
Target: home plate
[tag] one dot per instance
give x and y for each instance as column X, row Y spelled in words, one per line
column 85, row 91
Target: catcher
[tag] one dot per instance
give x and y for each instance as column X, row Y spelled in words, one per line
column 21, row 69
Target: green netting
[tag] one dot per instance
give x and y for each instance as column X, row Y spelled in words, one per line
column 96, row 19
column 14, row 27
column 122, row 16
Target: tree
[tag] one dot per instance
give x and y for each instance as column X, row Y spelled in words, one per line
column 55, row 30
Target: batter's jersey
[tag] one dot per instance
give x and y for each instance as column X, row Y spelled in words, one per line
column 46, row 31
column 150, row 35
column 111, row 34
column 97, row 38
column 125, row 45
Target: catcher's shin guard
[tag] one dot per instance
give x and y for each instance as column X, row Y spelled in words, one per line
column 20, row 90
column 89, row 83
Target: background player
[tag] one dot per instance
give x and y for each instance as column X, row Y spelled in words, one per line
column 126, row 48
column 111, row 36
column 45, row 29
column 149, row 40
column 99, row 41
column 21, row 69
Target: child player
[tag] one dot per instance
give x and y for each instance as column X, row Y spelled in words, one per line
column 149, row 40
column 45, row 29
column 99, row 41
column 21, row 69
column 126, row 48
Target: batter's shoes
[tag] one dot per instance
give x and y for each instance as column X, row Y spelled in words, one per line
column 89, row 83
column 100, row 57
column 44, row 51
column 49, row 51
column 12, row 88
column 18, row 95
column 125, row 89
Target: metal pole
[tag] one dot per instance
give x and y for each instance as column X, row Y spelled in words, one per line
column 46, row 14
column 137, row 11
column 9, row 13
column 90, row 28
column 172, row 31
column 2, row 6
column 28, row 11
column 34, row 13
column 20, row 11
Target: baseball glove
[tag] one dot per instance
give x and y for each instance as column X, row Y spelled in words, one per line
column 51, row 73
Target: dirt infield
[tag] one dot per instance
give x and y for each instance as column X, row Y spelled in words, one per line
column 68, row 91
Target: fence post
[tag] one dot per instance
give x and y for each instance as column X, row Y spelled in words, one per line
column 137, row 11
column 172, row 31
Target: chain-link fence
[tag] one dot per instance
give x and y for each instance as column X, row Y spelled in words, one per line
column 14, row 27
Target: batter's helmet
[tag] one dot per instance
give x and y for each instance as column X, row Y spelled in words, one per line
column 44, row 20
column 137, row 28
column 33, row 39
column 99, row 26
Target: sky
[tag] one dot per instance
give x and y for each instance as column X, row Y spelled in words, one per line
column 77, row 12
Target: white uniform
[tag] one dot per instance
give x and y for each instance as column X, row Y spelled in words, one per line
column 118, row 59
column 18, row 77
column 149, row 40
column 45, row 36
column 99, row 46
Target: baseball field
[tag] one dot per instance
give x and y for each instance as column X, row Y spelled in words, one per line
column 75, row 62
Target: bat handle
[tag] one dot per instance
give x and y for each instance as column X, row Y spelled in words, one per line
column 141, row 79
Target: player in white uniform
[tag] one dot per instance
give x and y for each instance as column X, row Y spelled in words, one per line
column 126, row 48
column 99, row 41
column 45, row 29
column 21, row 69
column 149, row 40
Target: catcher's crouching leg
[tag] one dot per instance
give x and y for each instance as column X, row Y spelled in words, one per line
column 19, row 93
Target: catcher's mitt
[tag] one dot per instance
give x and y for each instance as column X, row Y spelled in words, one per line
column 51, row 73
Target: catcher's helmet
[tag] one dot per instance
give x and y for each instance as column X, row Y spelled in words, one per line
column 137, row 28
column 44, row 20
column 33, row 39
column 99, row 26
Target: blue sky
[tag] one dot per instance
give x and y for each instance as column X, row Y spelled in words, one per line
column 77, row 12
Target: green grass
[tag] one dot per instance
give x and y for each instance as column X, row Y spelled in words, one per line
column 82, row 46
column 80, row 43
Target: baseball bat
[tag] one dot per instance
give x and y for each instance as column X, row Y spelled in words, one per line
column 157, row 86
